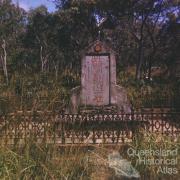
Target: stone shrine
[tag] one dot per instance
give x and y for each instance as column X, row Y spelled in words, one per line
column 98, row 90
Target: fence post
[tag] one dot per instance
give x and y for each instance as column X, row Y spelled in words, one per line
column 62, row 127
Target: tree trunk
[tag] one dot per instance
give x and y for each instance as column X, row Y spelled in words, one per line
column 41, row 57
column 139, row 62
column 56, row 67
column 149, row 69
column 4, row 61
column 44, row 60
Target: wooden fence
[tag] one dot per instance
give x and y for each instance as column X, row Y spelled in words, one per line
column 85, row 128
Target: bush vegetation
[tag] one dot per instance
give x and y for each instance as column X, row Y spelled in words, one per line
column 48, row 161
column 162, row 92
column 43, row 92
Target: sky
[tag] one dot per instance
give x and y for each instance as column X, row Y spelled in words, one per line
column 28, row 4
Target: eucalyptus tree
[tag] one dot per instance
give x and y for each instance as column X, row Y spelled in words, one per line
column 137, row 26
column 36, row 40
column 170, row 43
column 76, row 29
column 148, row 34
column 138, row 29
column 11, row 26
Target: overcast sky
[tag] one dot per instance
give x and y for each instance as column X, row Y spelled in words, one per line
column 27, row 4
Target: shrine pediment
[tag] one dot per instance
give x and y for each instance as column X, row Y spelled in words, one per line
column 98, row 47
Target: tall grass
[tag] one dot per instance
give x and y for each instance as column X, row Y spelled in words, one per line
column 35, row 92
column 145, row 141
column 48, row 161
column 153, row 93
column 42, row 161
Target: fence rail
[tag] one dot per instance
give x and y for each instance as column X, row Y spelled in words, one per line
column 85, row 128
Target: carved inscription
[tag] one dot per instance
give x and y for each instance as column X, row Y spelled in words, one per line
column 95, row 80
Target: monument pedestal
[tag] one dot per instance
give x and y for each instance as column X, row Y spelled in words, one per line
column 110, row 109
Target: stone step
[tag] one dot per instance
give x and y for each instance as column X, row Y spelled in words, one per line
column 98, row 109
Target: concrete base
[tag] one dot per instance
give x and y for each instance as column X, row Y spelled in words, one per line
column 118, row 98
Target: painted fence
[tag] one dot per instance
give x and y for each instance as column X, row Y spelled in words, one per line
column 61, row 128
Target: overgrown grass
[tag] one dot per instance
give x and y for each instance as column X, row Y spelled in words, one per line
column 36, row 92
column 160, row 92
column 43, row 91
column 152, row 168
column 42, row 161
column 48, row 161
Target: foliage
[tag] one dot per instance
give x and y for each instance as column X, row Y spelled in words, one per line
column 156, row 142
column 40, row 56
column 34, row 160
column 37, row 92
column 141, row 32
column 42, row 161
column 159, row 92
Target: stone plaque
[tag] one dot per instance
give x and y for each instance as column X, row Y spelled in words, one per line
column 95, row 80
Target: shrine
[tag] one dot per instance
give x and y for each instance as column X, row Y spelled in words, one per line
column 98, row 90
